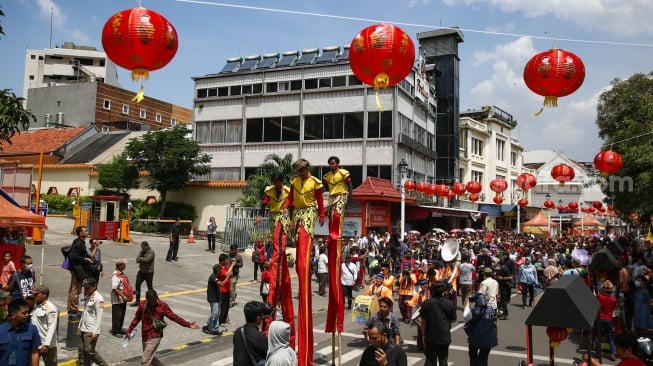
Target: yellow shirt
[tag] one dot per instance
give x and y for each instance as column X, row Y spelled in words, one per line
column 277, row 204
column 337, row 182
column 303, row 195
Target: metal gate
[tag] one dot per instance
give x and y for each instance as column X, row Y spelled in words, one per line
column 240, row 229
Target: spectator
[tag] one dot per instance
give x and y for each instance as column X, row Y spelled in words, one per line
column 145, row 273
column 416, row 303
column 504, row 277
column 95, row 253
column 437, row 315
column 213, row 298
column 627, row 349
column 8, row 269
column 266, row 276
column 382, row 349
column 642, row 307
column 322, row 271
column 466, row 271
column 604, row 322
column 4, row 306
column 249, row 342
column 279, row 352
column 90, row 325
column 120, row 290
column 388, row 318
column 259, row 256
column 490, row 288
column 211, row 232
column 21, row 283
column 482, row 336
column 173, row 250
column 235, row 275
column 46, row 319
column 80, row 268
column 224, row 273
column 349, row 275
column 527, row 278
column 18, row 327
column 551, row 272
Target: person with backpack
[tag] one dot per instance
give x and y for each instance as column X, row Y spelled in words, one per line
column 80, row 268
column 211, row 231
column 121, row 294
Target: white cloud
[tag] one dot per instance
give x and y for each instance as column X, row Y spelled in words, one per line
column 47, row 9
column 413, row 3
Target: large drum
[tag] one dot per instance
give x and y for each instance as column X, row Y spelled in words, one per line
column 364, row 306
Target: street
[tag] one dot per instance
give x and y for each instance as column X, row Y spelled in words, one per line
column 182, row 285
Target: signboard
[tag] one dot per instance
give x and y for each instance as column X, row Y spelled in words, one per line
column 422, row 86
column 349, row 226
column 377, row 215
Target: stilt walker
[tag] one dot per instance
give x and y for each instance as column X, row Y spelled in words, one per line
column 307, row 204
column 280, row 293
column 338, row 183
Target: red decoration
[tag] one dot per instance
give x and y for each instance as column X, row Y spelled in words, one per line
column 522, row 202
column 554, row 73
column 563, row 173
column 431, row 189
column 450, row 195
column 498, row 200
column 597, row 205
column 573, row 205
column 549, row 204
column 474, row 187
column 526, row 181
column 634, row 216
column 381, row 55
column 421, row 187
column 409, row 185
column 608, row 162
column 498, row 185
column 140, row 40
column 556, row 335
column 458, row 188
column 473, row 197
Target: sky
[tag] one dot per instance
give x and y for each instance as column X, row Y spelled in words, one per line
column 612, row 37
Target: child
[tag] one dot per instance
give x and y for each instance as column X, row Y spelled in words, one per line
column 265, row 281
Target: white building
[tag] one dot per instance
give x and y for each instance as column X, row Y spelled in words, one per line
column 67, row 65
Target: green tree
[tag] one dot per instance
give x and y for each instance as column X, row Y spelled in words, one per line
column 119, row 175
column 13, row 117
column 170, row 158
column 625, row 121
column 272, row 164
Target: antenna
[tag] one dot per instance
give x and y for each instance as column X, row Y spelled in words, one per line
column 51, row 13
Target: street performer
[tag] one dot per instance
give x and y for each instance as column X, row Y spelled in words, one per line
column 338, row 183
column 307, row 204
column 276, row 198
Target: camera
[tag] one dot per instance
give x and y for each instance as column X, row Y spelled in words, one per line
column 268, row 311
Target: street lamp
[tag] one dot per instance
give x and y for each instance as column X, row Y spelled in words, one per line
column 560, row 217
column 403, row 168
column 582, row 217
column 548, row 197
column 518, row 196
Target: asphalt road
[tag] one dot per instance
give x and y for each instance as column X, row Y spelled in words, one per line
column 182, row 285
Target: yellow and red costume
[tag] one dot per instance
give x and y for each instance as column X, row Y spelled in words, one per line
column 338, row 183
column 306, row 198
column 280, row 288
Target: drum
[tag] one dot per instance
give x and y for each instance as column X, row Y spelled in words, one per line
column 416, row 318
column 364, row 306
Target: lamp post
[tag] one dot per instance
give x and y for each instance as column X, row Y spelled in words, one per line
column 403, row 168
column 560, row 221
column 548, row 197
column 582, row 217
column 518, row 196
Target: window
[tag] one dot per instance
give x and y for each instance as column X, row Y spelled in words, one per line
column 234, row 90
column 477, row 147
column 501, row 146
column 379, row 124
column 125, row 109
column 354, row 81
column 31, row 77
column 202, row 93
column 222, row 92
column 101, row 63
column 310, row 84
column 354, row 125
column 313, row 127
column 271, row 87
column 213, row 92
column 296, row 85
column 254, row 130
column 333, row 126
column 33, row 57
column 269, row 129
column 247, row 89
column 257, row 88
column 158, row 118
column 339, row 81
column 173, row 122
column 325, row 82
column 143, row 113
column 513, row 158
column 107, row 104
column 477, row 176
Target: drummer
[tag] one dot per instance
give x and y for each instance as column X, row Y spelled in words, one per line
column 377, row 288
column 416, row 303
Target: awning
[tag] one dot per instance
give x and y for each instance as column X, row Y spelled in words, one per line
column 453, row 212
column 490, row 209
column 12, row 215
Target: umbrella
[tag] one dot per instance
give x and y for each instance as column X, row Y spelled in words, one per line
column 456, row 231
column 469, row 230
column 438, row 230
column 414, row 232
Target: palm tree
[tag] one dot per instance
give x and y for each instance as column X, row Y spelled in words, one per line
column 272, row 164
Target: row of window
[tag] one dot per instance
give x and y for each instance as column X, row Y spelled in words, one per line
column 142, row 112
column 279, row 86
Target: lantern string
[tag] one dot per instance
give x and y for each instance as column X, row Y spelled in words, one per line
column 429, row 26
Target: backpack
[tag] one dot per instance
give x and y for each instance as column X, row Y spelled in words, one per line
column 66, row 261
column 126, row 287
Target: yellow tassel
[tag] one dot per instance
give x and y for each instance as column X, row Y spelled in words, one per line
column 549, row 101
column 139, row 96
column 538, row 112
column 378, row 100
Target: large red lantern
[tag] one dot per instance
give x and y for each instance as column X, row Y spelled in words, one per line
column 526, row 181
column 522, row 202
column 556, row 335
column 140, row 40
column 381, row 55
column 498, row 200
column 409, row 185
column 474, row 187
column 573, row 205
column 549, row 204
column 458, row 188
column 597, row 205
column 431, row 189
column 563, row 173
column 608, row 162
column 498, row 185
column 421, row 187
column 473, row 197
column 554, row 73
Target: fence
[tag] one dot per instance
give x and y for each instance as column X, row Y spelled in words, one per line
column 240, row 228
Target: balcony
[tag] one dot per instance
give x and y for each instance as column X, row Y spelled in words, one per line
column 414, row 145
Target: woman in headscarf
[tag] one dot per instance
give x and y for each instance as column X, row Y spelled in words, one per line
column 279, row 353
column 480, row 331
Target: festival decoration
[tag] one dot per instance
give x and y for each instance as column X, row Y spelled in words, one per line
column 474, row 187
column 553, row 74
column 522, row 202
column 421, row 187
column 526, row 181
column 473, row 197
column 573, row 205
column 409, row 185
column 431, row 189
column 549, row 204
column 381, row 55
column 458, row 188
column 608, row 162
column 498, row 185
column 498, row 200
column 140, row 40
column 556, row 335
column 597, row 205
column 563, row 173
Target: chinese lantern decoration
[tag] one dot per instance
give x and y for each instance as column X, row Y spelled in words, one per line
column 473, row 197
column 552, row 74
column 563, row 173
column 431, row 189
column 140, row 40
column 597, row 205
column 474, row 187
column 549, row 204
column 522, row 202
column 409, row 185
column 573, row 206
column 526, row 181
column 450, row 195
column 498, row 185
column 458, row 188
column 421, row 187
column 556, row 335
column 381, row 55
column 498, row 200
column 608, row 162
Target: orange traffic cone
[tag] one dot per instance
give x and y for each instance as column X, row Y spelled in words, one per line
column 191, row 236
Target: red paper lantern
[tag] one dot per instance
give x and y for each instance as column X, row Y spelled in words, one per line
column 556, row 335
column 554, row 73
column 409, row 185
column 450, row 195
column 526, row 181
column 381, row 55
column 573, row 205
column 498, row 200
column 473, row 197
column 140, row 40
column 498, row 185
column 549, row 204
column 431, row 189
column 563, row 173
column 597, row 205
column 474, row 187
column 522, row 202
column 608, row 162
column 458, row 188
column 421, row 187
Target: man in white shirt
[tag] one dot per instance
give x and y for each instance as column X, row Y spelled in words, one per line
column 322, row 271
column 348, row 277
column 490, row 288
column 90, row 325
column 46, row 317
column 119, row 298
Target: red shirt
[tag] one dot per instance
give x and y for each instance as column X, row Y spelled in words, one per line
column 160, row 311
column 222, row 276
column 608, row 304
column 633, row 361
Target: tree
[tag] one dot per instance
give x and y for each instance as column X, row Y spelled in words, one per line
column 272, row 164
column 625, row 121
column 13, row 117
column 170, row 158
column 119, row 175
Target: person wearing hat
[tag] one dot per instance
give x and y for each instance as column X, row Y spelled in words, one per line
column 46, row 317
column 90, row 325
column 377, row 288
column 490, row 288
column 480, row 329
column 416, row 304
column 407, row 282
column 145, row 272
column 604, row 323
column 121, row 292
